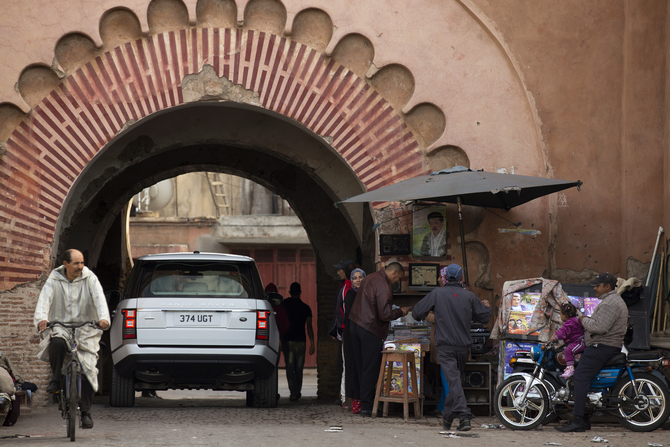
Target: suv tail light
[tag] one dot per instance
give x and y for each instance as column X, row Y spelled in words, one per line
column 262, row 326
column 129, row 327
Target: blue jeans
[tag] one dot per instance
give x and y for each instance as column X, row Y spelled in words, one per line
column 294, row 357
column 444, row 392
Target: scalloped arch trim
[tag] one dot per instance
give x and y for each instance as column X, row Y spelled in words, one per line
column 74, row 121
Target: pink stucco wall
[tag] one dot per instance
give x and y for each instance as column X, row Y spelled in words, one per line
column 573, row 90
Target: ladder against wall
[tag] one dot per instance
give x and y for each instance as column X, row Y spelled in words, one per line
column 218, row 189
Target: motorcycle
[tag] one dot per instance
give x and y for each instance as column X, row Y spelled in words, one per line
column 631, row 385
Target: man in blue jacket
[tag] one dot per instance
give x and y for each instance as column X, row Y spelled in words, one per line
column 454, row 308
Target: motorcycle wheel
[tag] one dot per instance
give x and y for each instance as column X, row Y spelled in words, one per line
column 518, row 415
column 650, row 410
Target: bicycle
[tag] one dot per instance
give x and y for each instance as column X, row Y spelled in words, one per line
column 69, row 394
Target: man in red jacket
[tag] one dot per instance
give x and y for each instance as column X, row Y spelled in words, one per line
column 369, row 319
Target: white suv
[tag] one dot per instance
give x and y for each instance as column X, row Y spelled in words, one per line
column 194, row 321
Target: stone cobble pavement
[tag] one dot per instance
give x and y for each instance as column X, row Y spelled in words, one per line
column 214, row 418
column 226, row 421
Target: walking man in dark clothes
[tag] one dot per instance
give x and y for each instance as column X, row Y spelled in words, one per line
column 369, row 317
column 294, row 340
column 454, row 309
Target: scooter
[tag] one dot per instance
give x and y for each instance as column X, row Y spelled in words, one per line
column 631, row 385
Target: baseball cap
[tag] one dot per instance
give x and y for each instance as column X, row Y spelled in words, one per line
column 454, row 271
column 343, row 264
column 295, row 289
column 604, row 278
column 271, row 288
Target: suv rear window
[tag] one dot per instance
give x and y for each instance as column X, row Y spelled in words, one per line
column 195, row 278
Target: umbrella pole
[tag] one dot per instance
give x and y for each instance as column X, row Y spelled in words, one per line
column 460, row 227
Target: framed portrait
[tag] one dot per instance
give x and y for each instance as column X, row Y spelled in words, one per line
column 430, row 235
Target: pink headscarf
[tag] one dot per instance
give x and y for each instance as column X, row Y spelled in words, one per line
column 451, row 271
column 443, row 274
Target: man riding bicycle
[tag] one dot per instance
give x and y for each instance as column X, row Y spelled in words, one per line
column 72, row 294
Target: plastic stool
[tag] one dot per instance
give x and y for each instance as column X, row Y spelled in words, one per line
column 384, row 395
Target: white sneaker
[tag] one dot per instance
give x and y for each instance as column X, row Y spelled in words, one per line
column 569, row 372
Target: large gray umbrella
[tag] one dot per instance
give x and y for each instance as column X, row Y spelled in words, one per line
column 464, row 186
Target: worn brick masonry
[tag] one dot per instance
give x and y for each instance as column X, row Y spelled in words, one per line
column 19, row 340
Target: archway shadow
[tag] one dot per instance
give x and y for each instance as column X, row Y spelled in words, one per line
column 243, row 140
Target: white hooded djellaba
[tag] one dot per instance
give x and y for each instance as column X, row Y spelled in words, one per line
column 73, row 302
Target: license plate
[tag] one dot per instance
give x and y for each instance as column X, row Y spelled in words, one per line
column 196, row 319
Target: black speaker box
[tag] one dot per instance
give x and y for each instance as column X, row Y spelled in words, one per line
column 474, row 379
column 394, row 244
column 639, row 318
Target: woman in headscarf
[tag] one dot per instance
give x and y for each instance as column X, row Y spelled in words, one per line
column 337, row 329
column 352, row 382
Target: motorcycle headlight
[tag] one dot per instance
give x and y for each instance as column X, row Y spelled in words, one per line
column 535, row 352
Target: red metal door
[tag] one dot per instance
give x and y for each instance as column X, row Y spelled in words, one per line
column 286, row 270
column 265, row 260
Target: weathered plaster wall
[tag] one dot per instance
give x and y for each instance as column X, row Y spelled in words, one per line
column 184, row 234
column 597, row 73
column 478, row 92
column 433, row 39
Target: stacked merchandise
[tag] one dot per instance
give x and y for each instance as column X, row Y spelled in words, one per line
column 420, row 331
column 403, row 331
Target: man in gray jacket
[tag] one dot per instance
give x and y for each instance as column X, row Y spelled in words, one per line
column 603, row 333
column 455, row 308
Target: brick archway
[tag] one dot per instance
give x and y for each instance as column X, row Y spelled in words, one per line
column 54, row 144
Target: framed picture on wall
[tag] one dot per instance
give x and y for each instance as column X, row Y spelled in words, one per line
column 430, row 237
column 424, row 276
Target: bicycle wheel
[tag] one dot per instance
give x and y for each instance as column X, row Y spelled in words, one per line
column 73, row 399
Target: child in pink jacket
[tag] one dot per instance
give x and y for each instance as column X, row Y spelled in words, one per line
column 572, row 334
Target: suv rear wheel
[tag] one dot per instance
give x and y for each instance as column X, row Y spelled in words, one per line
column 123, row 391
column 265, row 391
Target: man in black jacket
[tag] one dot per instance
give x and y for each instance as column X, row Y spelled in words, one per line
column 454, row 309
